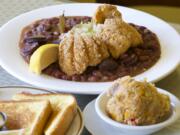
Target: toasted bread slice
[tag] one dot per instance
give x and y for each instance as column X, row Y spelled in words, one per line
column 29, row 115
column 64, row 109
column 13, row 132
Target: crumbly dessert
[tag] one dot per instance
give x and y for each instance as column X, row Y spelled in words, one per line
column 137, row 103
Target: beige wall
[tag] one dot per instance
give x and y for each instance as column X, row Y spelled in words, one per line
column 85, row 0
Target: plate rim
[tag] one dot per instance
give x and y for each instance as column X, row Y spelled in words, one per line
column 28, row 87
column 79, row 91
column 79, row 111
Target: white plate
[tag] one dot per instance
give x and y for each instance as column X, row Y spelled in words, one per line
column 6, row 93
column 11, row 60
column 96, row 126
column 176, row 26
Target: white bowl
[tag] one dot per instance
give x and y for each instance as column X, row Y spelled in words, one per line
column 120, row 128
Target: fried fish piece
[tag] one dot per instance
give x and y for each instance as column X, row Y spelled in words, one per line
column 116, row 41
column 80, row 60
column 88, row 44
column 65, row 53
column 96, row 51
column 111, row 29
column 80, row 49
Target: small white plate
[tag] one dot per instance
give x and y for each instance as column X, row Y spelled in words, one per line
column 6, row 93
column 96, row 126
column 11, row 60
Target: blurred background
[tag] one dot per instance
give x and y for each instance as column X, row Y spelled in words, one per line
column 168, row 10
column 138, row 2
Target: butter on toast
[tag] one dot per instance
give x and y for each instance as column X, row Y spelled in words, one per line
column 29, row 115
column 64, row 108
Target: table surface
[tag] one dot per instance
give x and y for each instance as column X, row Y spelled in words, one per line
column 12, row 8
column 166, row 13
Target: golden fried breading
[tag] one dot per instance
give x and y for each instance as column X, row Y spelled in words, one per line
column 133, row 35
column 89, row 44
column 105, row 11
column 80, row 49
column 65, row 53
column 116, row 41
column 111, row 29
column 92, row 47
column 97, row 51
column 102, row 47
column 80, row 60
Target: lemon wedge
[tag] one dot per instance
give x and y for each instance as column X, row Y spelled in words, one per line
column 43, row 57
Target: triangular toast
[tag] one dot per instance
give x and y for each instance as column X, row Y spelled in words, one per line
column 64, row 108
column 29, row 115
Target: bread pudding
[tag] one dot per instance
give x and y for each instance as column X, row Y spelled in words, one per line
column 137, row 103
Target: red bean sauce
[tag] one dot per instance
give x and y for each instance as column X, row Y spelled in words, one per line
column 135, row 61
